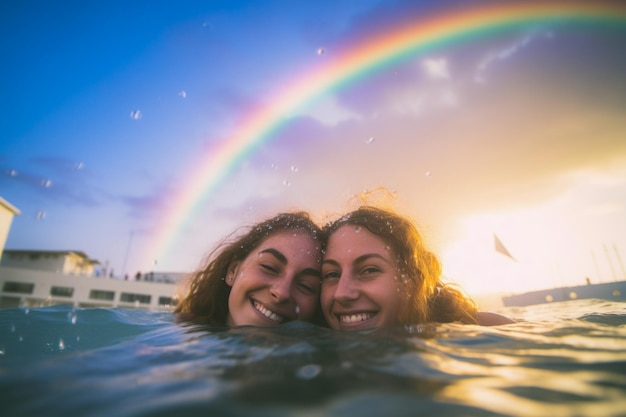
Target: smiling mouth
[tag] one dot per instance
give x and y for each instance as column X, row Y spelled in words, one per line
column 354, row 318
column 267, row 313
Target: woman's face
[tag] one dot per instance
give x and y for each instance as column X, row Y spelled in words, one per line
column 278, row 281
column 360, row 289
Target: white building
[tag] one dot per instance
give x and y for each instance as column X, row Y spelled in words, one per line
column 36, row 278
column 64, row 262
column 7, row 211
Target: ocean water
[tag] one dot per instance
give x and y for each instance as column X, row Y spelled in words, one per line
column 565, row 359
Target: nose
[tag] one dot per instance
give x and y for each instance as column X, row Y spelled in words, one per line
column 346, row 290
column 280, row 289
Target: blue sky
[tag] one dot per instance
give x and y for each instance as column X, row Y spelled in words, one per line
column 107, row 105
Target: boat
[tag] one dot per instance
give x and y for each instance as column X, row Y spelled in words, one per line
column 613, row 291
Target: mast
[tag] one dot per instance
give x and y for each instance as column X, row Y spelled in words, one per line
column 595, row 263
column 130, row 240
column 608, row 257
column 619, row 260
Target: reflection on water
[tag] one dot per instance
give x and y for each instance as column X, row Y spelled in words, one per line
column 565, row 359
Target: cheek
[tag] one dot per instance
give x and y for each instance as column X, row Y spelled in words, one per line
column 307, row 306
column 326, row 296
column 392, row 296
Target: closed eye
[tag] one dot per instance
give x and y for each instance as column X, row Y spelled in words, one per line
column 269, row 268
column 307, row 287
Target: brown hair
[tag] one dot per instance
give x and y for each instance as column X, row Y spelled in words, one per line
column 206, row 299
column 428, row 298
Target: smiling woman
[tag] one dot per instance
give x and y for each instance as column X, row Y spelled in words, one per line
column 268, row 276
column 377, row 272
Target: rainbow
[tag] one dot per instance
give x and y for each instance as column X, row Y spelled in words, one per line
column 361, row 60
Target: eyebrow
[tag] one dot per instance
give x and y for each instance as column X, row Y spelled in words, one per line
column 277, row 254
column 283, row 259
column 359, row 259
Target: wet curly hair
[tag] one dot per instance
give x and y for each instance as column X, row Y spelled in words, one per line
column 419, row 271
column 206, row 297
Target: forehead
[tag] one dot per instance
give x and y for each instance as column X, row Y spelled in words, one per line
column 291, row 243
column 353, row 239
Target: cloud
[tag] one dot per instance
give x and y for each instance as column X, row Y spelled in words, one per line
column 601, row 210
column 329, row 111
column 436, row 68
column 506, row 52
column 141, row 206
column 59, row 166
column 51, row 179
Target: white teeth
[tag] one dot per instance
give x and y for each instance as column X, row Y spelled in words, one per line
column 354, row 318
column 267, row 313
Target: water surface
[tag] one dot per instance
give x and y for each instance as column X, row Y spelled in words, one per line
column 566, row 359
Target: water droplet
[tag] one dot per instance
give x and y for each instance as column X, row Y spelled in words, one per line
column 346, row 364
column 294, row 168
column 357, row 229
column 321, row 51
column 46, row 183
column 72, row 317
column 286, row 183
column 61, row 344
column 1, row 351
column 78, row 166
column 428, row 174
column 309, row 371
column 135, row 114
column 182, row 94
column 274, row 167
column 370, row 140
column 12, row 173
column 41, row 214
column 297, row 310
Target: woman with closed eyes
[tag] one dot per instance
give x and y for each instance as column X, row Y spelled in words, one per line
column 268, row 276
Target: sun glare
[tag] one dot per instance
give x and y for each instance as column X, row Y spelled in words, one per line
column 528, row 256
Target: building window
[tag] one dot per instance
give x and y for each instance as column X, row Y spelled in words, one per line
column 167, row 301
column 131, row 298
column 101, row 295
column 62, row 291
column 20, row 287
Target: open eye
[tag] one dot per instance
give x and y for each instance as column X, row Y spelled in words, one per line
column 330, row 275
column 370, row 272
